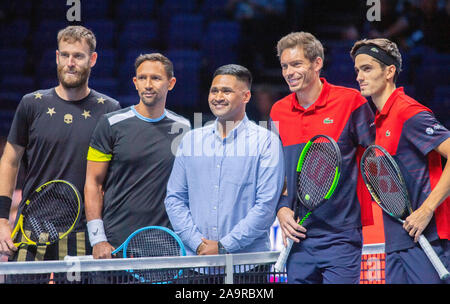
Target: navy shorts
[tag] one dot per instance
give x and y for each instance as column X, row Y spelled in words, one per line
column 412, row 266
column 328, row 259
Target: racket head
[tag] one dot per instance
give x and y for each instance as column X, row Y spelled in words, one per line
column 385, row 182
column 318, row 171
column 49, row 214
column 154, row 241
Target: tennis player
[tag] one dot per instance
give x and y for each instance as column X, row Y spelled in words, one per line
column 130, row 158
column 227, row 176
column 327, row 248
column 50, row 134
column 410, row 132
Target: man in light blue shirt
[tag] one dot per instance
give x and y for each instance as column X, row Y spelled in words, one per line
column 228, row 176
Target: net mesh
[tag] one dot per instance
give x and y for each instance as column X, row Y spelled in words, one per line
column 373, row 263
column 384, row 182
column 317, row 173
column 51, row 212
column 250, row 268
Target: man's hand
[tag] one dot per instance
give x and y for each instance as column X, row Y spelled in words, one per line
column 6, row 244
column 208, row 247
column 289, row 227
column 417, row 221
column 102, row 250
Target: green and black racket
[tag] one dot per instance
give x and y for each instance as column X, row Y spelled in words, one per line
column 318, row 172
column 385, row 182
column 49, row 214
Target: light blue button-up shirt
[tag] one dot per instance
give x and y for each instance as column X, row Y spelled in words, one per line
column 226, row 189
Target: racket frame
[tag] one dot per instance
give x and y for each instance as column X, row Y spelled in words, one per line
column 19, row 224
column 284, row 254
column 123, row 247
column 424, row 243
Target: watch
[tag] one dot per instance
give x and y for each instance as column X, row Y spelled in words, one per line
column 222, row 249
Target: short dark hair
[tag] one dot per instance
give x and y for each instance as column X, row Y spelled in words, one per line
column 168, row 65
column 239, row 71
column 386, row 45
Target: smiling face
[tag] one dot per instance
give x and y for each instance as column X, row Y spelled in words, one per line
column 227, row 98
column 74, row 62
column 298, row 72
column 152, row 83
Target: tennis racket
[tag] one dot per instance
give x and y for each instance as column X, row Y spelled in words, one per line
column 152, row 241
column 385, row 182
column 49, row 214
column 318, row 172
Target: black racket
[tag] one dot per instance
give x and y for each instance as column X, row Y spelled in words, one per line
column 318, row 172
column 385, row 182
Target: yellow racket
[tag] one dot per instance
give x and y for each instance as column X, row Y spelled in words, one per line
column 50, row 213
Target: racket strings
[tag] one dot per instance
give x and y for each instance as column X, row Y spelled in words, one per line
column 51, row 212
column 386, row 184
column 152, row 243
column 317, row 173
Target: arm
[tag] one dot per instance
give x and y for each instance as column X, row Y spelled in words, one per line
column 177, row 205
column 269, row 184
column 285, row 215
column 93, row 192
column 419, row 219
column 289, row 226
column 9, row 167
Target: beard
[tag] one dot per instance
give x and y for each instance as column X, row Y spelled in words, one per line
column 150, row 101
column 74, row 82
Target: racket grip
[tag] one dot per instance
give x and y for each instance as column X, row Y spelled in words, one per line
column 434, row 259
column 282, row 258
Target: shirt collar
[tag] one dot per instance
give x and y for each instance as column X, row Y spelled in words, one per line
column 389, row 103
column 234, row 132
column 321, row 101
column 141, row 117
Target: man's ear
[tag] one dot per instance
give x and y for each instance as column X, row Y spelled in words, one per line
column 390, row 72
column 93, row 59
column 318, row 64
column 172, row 82
column 247, row 96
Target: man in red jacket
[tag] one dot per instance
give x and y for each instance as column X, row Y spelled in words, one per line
column 328, row 246
column 410, row 132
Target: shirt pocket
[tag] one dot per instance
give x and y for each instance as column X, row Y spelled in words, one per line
column 238, row 184
column 238, row 171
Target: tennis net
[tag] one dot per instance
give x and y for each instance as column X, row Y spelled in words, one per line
column 245, row 268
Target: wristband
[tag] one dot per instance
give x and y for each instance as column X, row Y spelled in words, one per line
column 96, row 232
column 5, row 206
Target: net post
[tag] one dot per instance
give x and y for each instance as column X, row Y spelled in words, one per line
column 229, row 269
